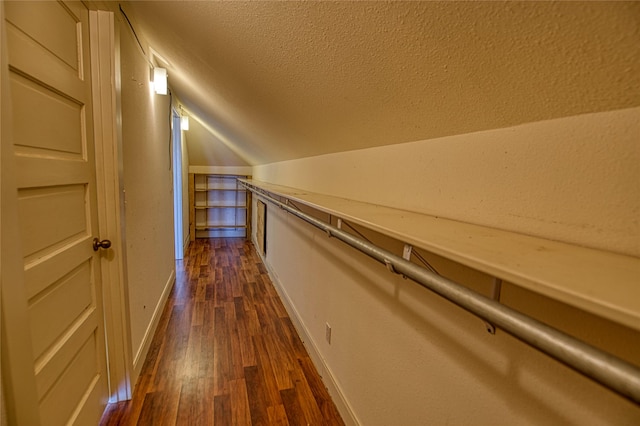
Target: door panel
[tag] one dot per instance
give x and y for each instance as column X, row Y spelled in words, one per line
column 38, row 275
column 47, row 371
column 76, row 380
column 50, row 217
column 58, row 116
column 49, row 68
column 53, row 26
column 71, row 292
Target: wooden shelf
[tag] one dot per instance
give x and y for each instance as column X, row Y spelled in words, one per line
column 212, row 227
column 218, row 189
column 604, row 283
column 218, row 203
column 220, row 206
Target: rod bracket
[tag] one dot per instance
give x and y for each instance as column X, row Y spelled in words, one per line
column 496, row 288
column 389, row 266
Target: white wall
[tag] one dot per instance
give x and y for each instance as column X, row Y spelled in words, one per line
column 148, row 195
column 185, row 190
column 4, row 104
column 3, row 413
column 400, row 355
column 206, row 148
column 572, row 179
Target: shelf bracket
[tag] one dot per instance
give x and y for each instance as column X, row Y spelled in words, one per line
column 406, row 252
column 406, row 255
column 496, row 287
column 339, row 226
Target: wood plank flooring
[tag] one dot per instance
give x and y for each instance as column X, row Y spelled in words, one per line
column 225, row 351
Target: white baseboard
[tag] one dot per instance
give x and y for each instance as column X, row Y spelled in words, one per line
column 141, row 355
column 329, row 381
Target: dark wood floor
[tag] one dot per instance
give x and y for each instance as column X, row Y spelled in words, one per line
column 225, row 351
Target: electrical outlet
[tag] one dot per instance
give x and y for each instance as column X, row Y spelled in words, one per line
column 327, row 332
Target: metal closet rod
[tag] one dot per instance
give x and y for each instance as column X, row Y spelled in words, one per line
column 602, row 367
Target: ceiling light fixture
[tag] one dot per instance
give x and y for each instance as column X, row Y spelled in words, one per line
column 160, row 81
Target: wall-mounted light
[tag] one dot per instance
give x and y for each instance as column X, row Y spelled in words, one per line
column 160, row 81
column 184, row 122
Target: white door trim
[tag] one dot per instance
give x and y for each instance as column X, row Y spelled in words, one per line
column 105, row 63
column 176, row 147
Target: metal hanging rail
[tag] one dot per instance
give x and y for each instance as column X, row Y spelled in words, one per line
column 602, row 367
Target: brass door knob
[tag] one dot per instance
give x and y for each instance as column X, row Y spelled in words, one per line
column 97, row 244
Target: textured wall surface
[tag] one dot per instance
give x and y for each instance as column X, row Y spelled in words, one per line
column 148, row 183
column 206, row 149
column 284, row 80
column 572, row 179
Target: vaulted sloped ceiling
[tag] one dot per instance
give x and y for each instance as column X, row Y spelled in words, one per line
column 284, row 80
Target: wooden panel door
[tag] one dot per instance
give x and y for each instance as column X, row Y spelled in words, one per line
column 50, row 88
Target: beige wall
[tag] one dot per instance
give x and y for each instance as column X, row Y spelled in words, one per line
column 207, row 149
column 185, row 190
column 149, row 200
column 4, row 104
column 3, row 414
column 571, row 179
column 400, row 355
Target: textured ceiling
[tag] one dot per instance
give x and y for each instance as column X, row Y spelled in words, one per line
column 283, row 80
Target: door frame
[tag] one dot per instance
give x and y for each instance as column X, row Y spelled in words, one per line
column 105, row 65
column 176, row 160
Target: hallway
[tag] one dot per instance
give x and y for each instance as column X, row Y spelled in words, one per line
column 225, row 351
column 489, row 147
